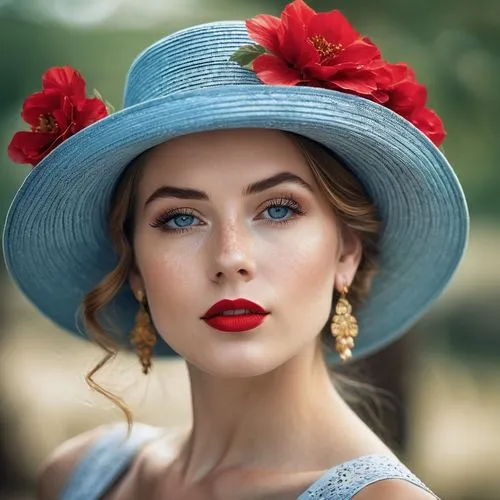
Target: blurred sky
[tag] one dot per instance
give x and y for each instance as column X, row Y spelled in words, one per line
column 129, row 14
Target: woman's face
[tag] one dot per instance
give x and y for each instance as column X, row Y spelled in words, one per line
column 236, row 214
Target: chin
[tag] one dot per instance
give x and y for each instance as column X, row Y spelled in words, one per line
column 236, row 361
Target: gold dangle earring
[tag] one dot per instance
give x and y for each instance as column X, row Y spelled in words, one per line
column 142, row 336
column 344, row 326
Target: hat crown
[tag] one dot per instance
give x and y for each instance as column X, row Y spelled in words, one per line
column 190, row 59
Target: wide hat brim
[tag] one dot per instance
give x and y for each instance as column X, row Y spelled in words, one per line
column 56, row 243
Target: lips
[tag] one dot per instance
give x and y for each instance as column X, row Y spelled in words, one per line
column 235, row 315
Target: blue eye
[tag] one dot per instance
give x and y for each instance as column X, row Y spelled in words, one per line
column 282, row 209
column 180, row 221
column 278, row 212
column 176, row 221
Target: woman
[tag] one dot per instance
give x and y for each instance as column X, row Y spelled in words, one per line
column 267, row 188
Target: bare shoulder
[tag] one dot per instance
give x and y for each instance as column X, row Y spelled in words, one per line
column 393, row 489
column 58, row 466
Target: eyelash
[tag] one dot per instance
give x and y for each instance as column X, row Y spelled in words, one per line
column 287, row 201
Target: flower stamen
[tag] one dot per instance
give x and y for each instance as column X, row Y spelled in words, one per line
column 47, row 124
column 325, row 48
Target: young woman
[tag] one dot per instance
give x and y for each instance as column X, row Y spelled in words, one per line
column 270, row 199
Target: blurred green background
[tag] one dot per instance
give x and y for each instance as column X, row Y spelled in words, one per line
column 452, row 391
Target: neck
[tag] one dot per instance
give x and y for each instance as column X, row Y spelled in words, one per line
column 282, row 419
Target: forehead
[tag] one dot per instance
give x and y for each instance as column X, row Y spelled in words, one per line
column 244, row 155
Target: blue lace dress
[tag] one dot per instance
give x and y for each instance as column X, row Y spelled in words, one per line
column 110, row 455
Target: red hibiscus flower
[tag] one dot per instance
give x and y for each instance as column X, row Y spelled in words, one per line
column 55, row 113
column 429, row 123
column 321, row 50
column 304, row 47
column 408, row 98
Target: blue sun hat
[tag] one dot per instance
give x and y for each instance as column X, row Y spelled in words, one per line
column 210, row 77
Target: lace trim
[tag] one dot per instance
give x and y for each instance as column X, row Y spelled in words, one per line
column 111, row 454
column 345, row 480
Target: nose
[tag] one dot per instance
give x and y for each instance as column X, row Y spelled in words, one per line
column 232, row 258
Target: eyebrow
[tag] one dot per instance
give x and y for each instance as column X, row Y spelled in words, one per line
column 254, row 188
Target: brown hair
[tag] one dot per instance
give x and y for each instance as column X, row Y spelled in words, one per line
column 349, row 201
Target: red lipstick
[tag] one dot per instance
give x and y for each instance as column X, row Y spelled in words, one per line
column 237, row 315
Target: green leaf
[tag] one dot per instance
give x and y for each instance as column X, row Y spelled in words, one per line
column 245, row 55
column 98, row 95
column 109, row 107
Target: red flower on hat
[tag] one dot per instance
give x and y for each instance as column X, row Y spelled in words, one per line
column 321, row 50
column 304, row 47
column 57, row 112
column 407, row 97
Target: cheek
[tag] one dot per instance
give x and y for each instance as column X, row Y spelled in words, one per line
column 307, row 263
column 172, row 282
column 300, row 275
column 169, row 274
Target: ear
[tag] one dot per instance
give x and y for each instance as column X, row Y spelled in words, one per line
column 135, row 280
column 350, row 255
